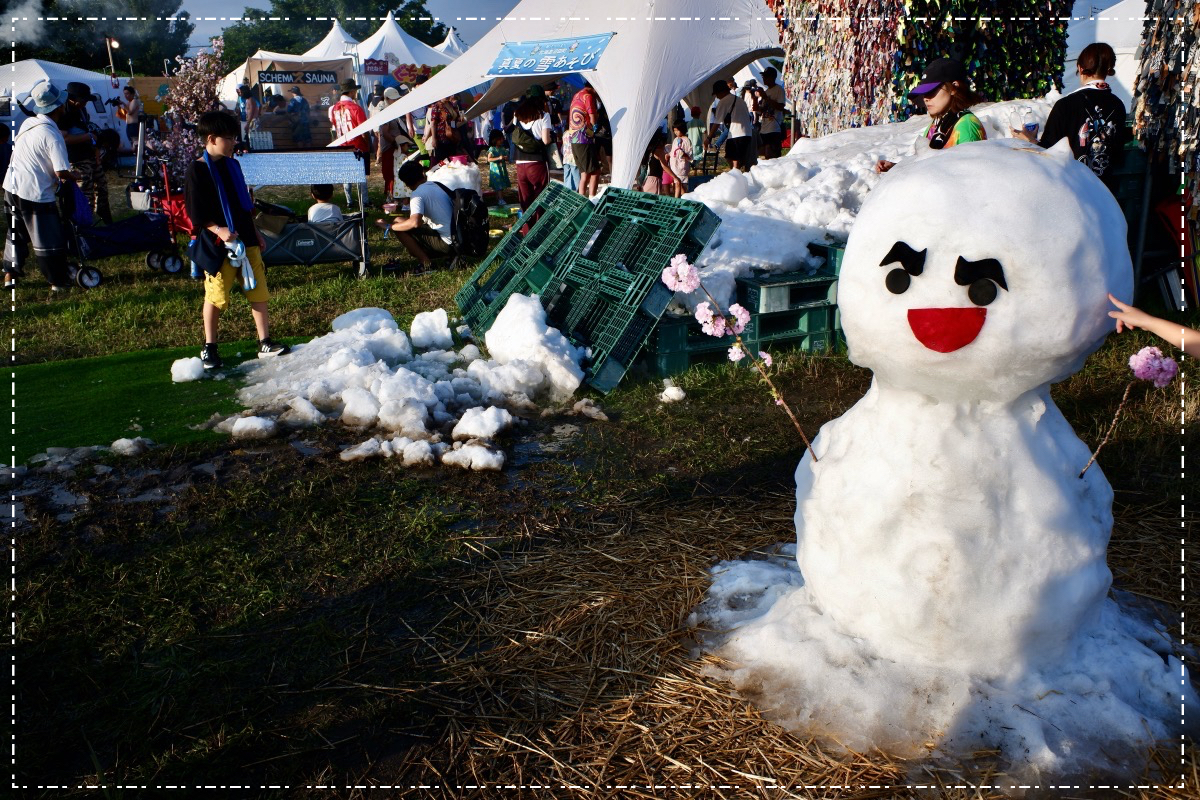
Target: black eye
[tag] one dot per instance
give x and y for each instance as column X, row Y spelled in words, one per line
column 897, row 281
column 982, row 292
column 983, row 279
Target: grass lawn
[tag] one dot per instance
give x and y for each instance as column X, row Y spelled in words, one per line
column 275, row 616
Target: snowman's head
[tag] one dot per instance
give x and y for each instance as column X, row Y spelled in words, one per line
column 980, row 272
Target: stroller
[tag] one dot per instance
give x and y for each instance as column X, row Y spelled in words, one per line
column 163, row 217
column 73, row 211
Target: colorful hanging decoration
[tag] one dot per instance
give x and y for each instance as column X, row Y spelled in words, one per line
column 850, row 63
column 1166, row 102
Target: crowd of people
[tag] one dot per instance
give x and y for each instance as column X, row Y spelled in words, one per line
column 531, row 135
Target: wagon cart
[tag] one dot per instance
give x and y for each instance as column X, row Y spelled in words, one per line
column 296, row 241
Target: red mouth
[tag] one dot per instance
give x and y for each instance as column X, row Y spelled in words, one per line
column 945, row 330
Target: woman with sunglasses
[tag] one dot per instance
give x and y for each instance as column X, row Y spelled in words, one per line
column 945, row 91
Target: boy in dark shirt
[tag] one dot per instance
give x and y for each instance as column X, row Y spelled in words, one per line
column 220, row 207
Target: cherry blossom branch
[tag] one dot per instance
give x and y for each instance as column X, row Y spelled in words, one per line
column 1112, row 427
column 1148, row 364
column 684, row 277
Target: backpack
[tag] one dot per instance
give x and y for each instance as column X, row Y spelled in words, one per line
column 468, row 221
column 526, row 142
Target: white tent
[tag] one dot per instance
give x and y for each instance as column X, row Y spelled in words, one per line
column 1121, row 27
column 335, row 44
column 452, row 45
column 391, row 44
column 21, row 76
column 650, row 63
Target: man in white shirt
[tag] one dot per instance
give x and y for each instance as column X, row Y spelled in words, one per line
column 739, row 147
column 772, row 106
column 426, row 232
column 39, row 164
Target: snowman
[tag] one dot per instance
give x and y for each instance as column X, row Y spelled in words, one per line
column 944, row 519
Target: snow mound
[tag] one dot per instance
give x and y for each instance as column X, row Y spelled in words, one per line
column 131, row 447
column 482, row 423
column 431, row 329
column 671, row 393
column 367, row 320
column 474, row 456
column 187, row 369
column 453, row 176
column 253, row 428
column 520, row 333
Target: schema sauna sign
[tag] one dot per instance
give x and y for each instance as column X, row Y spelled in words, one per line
column 298, row 76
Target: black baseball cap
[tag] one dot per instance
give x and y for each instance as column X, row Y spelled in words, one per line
column 937, row 72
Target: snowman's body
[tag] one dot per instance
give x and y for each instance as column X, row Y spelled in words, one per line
column 945, row 521
column 927, row 543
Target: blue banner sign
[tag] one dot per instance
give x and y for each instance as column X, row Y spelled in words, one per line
column 549, row 56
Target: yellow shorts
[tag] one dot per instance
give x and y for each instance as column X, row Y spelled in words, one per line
column 218, row 287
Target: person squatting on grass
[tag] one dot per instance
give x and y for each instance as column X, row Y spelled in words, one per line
column 426, row 232
column 219, row 206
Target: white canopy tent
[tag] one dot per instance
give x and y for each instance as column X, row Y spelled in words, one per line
column 1121, row 27
column 21, row 76
column 452, row 45
column 652, row 61
column 335, row 44
column 390, row 43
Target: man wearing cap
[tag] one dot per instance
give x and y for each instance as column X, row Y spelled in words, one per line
column 345, row 115
column 82, row 151
column 297, row 109
column 392, row 136
column 39, row 164
column 771, row 104
column 732, row 110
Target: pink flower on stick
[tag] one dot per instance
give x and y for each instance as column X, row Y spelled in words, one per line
column 1149, row 364
column 741, row 318
column 681, row 276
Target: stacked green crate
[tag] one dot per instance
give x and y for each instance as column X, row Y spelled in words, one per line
column 524, row 263
column 794, row 310
column 609, row 293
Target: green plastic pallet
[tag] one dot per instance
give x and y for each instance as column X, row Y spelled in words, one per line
column 786, row 292
column 524, row 263
column 608, row 291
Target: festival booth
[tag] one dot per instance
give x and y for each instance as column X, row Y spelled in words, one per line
column 1119, row 26
column 640, row 67
column 22, row 76
column 390, row 56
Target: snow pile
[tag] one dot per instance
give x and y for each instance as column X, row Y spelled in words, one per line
column 771, row 214
column 371, row 377
column 187, row 369
column 520, row 334
column 952, row 584
column 131, row 447
column 453, row 176
column 431, row 329
column 671, row 393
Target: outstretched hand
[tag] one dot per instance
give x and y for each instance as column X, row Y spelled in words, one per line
column 1128, row 317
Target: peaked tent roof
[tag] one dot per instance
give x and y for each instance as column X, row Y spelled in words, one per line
column 391, row 38
column 334, row 45
column 651, row 62
column 452, row 45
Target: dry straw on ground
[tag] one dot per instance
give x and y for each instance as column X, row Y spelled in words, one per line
column 577, row 672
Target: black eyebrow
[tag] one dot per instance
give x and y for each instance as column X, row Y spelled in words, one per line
column 967, row 272
column 912, row 261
